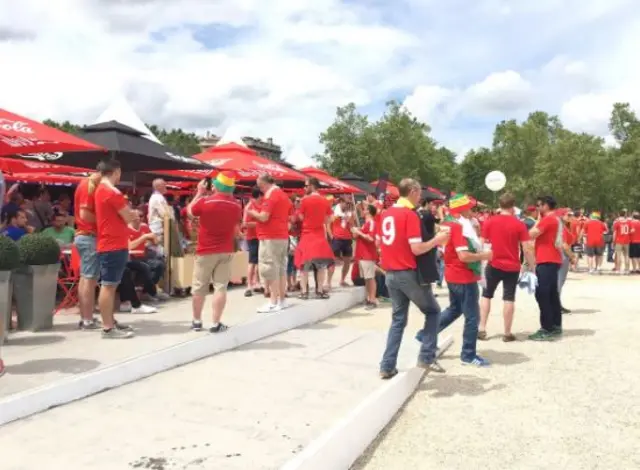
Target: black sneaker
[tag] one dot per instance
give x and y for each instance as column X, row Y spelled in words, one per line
column 219, row 328
column 121, row 327
column 196, row 325
column 248, row 293
column 89, row 325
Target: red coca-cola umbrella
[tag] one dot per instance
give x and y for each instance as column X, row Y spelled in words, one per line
column 247, row 164
column 334, row 183
column 12, row 165
column 19, row 135
column 44, row 178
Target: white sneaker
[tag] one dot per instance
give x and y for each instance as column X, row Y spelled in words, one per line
column 283, row 304
column 125, row 307
column 269, row 308
column 144, row 309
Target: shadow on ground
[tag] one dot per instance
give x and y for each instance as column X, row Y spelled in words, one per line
column 63, row 365
column 35, row 339
column 445, row 386
column 157, row 328
column 505, row 358
column 584, row 311
column 318, row 326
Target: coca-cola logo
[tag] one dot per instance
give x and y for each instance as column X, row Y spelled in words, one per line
column 43, row 157
column 7, row 125
column 218, row 162
column 271, row 168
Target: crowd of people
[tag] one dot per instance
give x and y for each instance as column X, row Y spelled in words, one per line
column 397, row 251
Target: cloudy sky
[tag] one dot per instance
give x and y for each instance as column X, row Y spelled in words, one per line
column 279, row 68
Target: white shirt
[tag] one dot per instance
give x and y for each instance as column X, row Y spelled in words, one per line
column 158, row 207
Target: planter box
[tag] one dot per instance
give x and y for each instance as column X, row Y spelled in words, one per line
column 34, row 288
column 182, row 271
column 6, row 291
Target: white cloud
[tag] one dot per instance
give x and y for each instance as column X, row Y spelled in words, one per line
column 279, row 69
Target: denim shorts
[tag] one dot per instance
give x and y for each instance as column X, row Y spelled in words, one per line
column 112, row 265
column 89, row 264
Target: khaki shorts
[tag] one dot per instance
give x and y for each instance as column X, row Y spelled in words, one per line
column 367, row 269
column 215, row 269
column 622, row 250
column 273, row 256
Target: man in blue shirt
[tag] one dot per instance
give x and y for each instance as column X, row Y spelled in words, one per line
column 16, row 225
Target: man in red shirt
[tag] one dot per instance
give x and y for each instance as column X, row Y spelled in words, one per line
column 366, row 255
column 622, row 240
column 400, row 242
column 504, row 233
column 85, row 244
column 634, row 247
column 219, row 217
column 462, row 269
column 273, row 222
column 594, row 230
column 250, row 225
column 342, row 243
column 113, row 215
column 548, row 236
column 314, row 249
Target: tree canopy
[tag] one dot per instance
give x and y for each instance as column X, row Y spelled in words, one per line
column 538, row 156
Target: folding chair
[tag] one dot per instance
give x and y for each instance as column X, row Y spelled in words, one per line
column 69, row 283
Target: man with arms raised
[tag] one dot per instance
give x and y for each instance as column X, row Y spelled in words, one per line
column 113, row 216
column 462, row 271
column 220, row 217
column 400, row 242
column 273, row 223
column 594, row 230
column 314, row 249
column 548, row 248
column 504, row 233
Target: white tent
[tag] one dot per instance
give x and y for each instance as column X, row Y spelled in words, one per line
column 121, row 111
column 232, row 136
column 298, row 157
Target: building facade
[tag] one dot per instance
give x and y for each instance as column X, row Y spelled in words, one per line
column 266, row 149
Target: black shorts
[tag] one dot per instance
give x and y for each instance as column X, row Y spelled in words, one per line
column 342, row 248
column 254, row 247
column 634, row 250
column 494, row 277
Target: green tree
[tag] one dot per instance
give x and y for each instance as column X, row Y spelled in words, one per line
column 64, row 126
column 184, row 143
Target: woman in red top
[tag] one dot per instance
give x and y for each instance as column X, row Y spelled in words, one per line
column 367, row 254
column 250, row 226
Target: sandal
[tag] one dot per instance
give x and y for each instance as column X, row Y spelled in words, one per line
column 509, row 338
column 322, row 295
column 303, row 296
column 482, row 335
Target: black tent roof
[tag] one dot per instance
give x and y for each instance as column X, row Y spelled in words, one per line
column 358, row 182
column 129, row 146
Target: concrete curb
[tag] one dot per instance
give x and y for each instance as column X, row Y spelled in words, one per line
column 33, row 401
column 339, row 447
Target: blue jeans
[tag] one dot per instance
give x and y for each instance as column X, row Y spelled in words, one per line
column 89, row 264
column 463, row 299
column 405, row 288
column 440, row 266
column 381, row 286
column 112, row 266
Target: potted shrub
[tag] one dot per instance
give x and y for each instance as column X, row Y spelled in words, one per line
column 9, row 260
column 35, row 281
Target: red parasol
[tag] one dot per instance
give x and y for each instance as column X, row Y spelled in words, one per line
column 44, row 178
column 247, row 164
column 329, row 180
column 11, row 165
column 19, row 135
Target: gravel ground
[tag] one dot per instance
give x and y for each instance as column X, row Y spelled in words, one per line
column 570, row 404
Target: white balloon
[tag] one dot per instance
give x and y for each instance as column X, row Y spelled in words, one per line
column 495, row 180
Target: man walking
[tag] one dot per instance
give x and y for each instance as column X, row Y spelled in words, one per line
column 220, row 217
column 548, row 245
column 462, row 271
column 273, row 256
column 504, row 234
column 400, row 242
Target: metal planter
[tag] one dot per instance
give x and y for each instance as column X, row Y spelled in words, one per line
column 6, row 291
column 34, row 288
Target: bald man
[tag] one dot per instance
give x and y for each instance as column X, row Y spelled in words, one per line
column 158, row 208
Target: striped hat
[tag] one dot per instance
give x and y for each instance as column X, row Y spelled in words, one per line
column 595, row 215
column 225, row 182
column 460, row 203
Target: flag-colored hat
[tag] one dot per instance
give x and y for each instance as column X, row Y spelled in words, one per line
column 460, row 203
column 595, row 215
column 225, row 182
